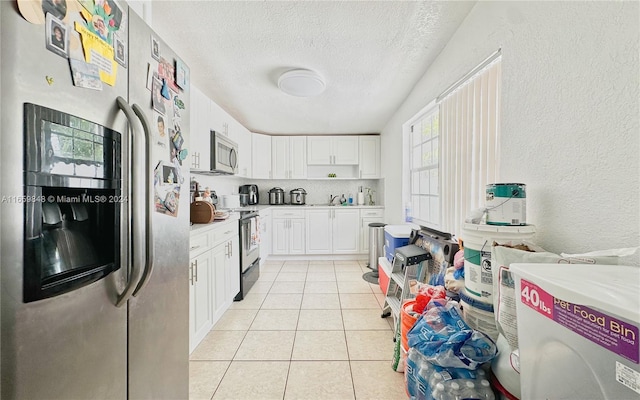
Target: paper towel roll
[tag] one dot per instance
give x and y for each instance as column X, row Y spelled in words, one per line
column 360, row 198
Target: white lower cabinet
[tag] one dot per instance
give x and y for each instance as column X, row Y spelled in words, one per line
column 265, row 234
column 288, row 232
column 200, row 291
column 214, row 276
column 367, row 217
column 318, row 231
column 332, row 231
column 219, row 280
column 232, row 266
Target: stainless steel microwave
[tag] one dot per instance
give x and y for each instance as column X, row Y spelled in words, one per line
column 224, row 154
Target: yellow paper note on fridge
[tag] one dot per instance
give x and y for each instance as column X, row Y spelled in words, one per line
column 98, row 52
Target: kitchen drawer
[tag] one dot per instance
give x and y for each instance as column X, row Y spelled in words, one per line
column 371, row 213
column 199, row 243
column 288, row 213
column 225, row 233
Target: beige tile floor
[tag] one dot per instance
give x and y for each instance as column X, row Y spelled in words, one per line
column 307, row 330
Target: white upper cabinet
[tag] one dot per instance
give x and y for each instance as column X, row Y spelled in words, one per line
column 332, row 150
column 225, row 124
column 242, row 137
column 200, row 131
column 261, row 156
column 298, row 157
column 279, row 157
column 288, row 157
column 345, row 150
column 207, row 116
column 369, row 157
column 319, row 150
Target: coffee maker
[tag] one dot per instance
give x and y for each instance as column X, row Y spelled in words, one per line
column 252, row 192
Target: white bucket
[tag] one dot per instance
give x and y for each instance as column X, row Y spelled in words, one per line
column 478, row 239
column 479, row 315
column 506, row 204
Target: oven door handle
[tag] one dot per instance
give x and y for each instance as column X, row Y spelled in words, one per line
column 148, row 203
column 135, row 180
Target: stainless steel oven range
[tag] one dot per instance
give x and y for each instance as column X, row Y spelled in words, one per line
column 249, row 252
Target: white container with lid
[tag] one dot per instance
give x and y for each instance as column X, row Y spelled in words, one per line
column 578, row 330
column 478, row 240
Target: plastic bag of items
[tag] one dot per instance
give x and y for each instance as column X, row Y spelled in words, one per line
column 424, row 380
column 425, row 294
column 454, row 277
column 442, row 336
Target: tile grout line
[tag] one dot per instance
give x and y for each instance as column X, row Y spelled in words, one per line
column 346, row 342
column 295, row 335
column 221, row 379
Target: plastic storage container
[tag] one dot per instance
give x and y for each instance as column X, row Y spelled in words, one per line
column 396, row 236
column 384, row 273
column 578, row 330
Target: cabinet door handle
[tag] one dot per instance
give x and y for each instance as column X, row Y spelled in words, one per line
column 191, row 273
column 196, row 270
column 230, row 249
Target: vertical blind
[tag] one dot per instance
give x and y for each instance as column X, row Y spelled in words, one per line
column 470, row 131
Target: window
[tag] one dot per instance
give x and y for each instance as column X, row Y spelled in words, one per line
column 453, row 150
column 424, row 157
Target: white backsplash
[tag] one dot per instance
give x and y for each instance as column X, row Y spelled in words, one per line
column 318, row 191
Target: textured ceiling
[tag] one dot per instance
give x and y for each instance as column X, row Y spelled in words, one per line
column 370, row 54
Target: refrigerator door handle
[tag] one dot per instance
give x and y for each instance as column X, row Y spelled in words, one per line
column 136, row 175
column 147, row 204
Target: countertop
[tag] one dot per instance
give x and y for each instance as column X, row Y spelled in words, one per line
column 234, row 216
column 233, row 219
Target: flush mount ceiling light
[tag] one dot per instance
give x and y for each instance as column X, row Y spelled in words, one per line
column 301, row 83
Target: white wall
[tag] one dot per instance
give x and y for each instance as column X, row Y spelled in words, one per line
column 570, row 115
column 142, row 8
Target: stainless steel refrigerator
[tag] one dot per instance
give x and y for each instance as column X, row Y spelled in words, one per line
column 95, row 341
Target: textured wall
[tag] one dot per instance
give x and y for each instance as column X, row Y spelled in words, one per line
column 570, row 120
